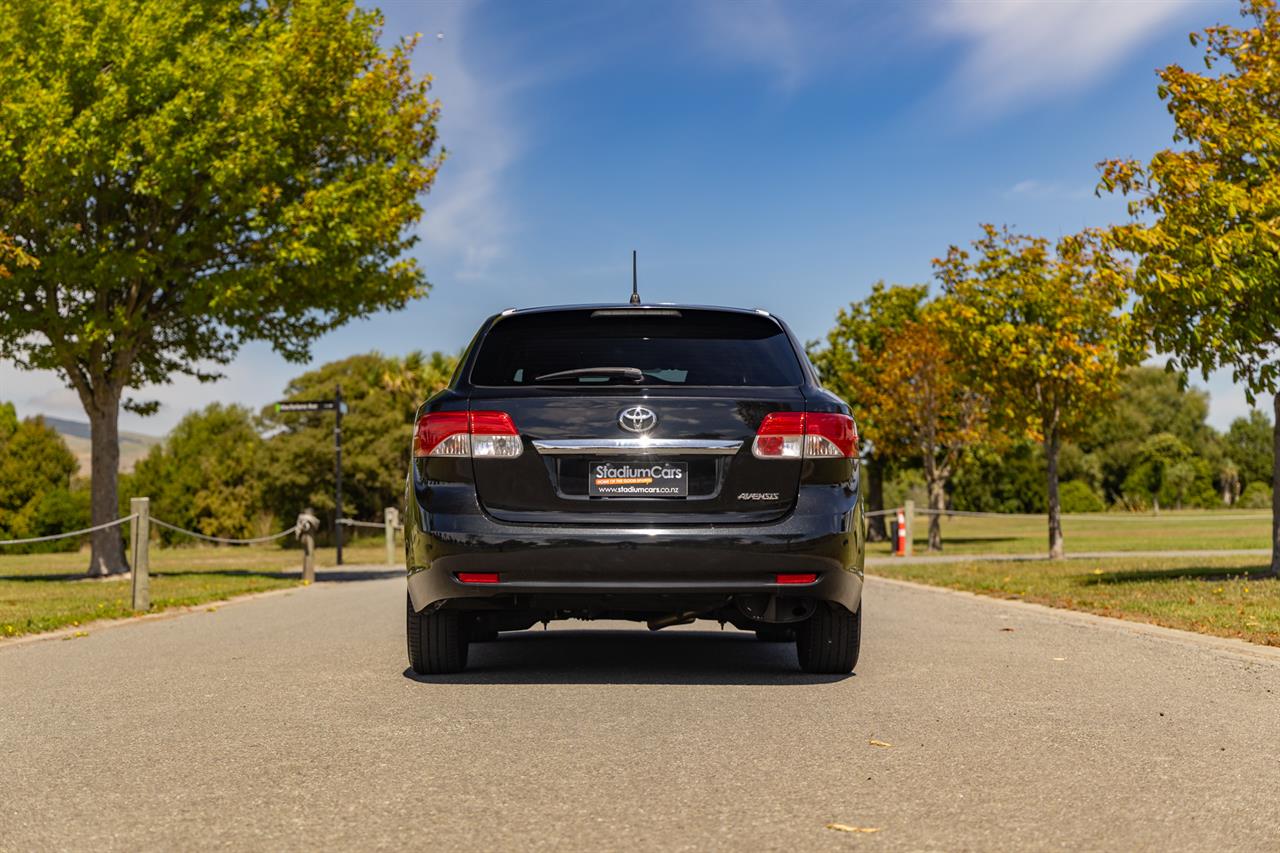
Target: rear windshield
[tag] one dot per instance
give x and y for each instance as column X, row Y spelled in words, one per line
column 634, row 348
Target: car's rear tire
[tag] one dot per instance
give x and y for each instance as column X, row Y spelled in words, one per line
column 775, row 635
column 437, row 641
column 827, row 642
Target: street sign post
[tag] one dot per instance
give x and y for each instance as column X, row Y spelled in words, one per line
column 308, row 406
column 337, row 471
column 335, row 406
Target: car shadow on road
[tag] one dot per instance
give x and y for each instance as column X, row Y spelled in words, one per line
column 630, row 657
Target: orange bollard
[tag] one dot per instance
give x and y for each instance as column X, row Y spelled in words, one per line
column 902, row 535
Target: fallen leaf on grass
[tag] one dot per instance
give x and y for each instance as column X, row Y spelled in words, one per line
column 875, row 742
column 844, row 827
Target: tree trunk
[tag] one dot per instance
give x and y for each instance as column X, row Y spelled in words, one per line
column 876, row 530
column 1051, row 447
column 107, row 554
column 1275, row 491
column 935, row 483
column 937, row 503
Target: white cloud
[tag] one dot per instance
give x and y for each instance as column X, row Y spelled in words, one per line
column 38, row 392
column 1048, row 190
column 1017, row 50
column 759, row 33
column 467, row 219
column 795, row 41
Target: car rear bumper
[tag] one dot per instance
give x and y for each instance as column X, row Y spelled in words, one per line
column 642, row 568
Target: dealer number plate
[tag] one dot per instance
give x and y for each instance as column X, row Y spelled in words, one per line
column 638, row 479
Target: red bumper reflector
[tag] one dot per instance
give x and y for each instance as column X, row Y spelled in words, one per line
column 805, row 578
column 478, row 577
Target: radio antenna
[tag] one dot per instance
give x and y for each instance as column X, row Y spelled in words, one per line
column 635, row 285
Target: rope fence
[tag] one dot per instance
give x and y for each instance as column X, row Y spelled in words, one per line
column 1091, row 516
column 223, row 540
column 140, row 521
column 308, row 525
column 351, row 522
column 34, row 539
column 901, row 519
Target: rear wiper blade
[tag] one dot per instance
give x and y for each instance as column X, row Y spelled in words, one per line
column 633, row 373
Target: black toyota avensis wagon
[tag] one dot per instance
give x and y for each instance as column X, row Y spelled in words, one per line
column 657, row 463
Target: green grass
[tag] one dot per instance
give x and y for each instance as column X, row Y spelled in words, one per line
column 1170, row 531
column 44, row 592
column 1224, row 596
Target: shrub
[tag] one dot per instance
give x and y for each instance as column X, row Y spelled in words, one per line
column 1076, row 496
column 1256, row 496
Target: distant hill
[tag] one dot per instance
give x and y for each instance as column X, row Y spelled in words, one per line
column 133, row 445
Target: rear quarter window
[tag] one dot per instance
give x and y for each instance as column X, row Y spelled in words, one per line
column 695, row 348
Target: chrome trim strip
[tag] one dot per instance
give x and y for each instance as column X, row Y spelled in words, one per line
column 639, row 446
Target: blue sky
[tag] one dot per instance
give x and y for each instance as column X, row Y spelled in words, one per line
column 782, row 155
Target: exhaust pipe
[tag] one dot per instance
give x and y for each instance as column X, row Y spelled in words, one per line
column 672, row 619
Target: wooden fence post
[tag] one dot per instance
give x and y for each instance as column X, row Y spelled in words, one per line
column 308, row 557
column 390, row 521
column 909, row 511
column 140, row 540
column 308, row 524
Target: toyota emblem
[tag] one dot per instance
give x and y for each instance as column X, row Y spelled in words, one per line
column 638, row 419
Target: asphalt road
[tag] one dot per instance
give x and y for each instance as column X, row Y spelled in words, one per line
column 290, row 722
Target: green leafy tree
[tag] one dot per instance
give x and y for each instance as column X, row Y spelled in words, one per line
column 188, row 176
column 1040, row 332
column 36, row 489
column 382, row 394
column 1249, row 443
column 858, row 338
column 207, row 476
column 1008, row 479
column 1151, row 400
column 1205, row 215
column 1165, row 472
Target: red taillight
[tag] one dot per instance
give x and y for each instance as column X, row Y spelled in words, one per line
column 781, row 436
column 492, row 423
column 438, row 427
column 830, row 434
column 477, row 577
column 796, row 435
column 809, row 577
column 490, row 435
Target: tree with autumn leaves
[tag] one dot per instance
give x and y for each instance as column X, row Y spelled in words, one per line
column 1039, row 330
column 1206, row 216
column 923, row 406
column 1027, row 338
column 847, row 363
